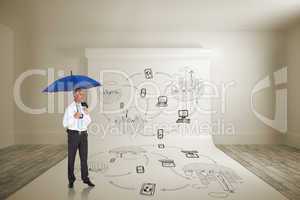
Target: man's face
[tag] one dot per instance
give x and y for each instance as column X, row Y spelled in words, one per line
column 79, row 96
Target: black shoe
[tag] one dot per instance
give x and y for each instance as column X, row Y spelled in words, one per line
column 71, row 184
column 89, row 183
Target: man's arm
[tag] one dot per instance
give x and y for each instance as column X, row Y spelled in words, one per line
column 69, row 119
column 86, row 117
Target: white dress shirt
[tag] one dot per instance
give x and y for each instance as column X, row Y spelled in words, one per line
column 70, row 122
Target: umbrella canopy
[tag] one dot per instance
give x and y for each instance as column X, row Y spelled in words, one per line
column 72, row 82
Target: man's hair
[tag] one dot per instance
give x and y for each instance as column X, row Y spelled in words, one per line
column 76, row 90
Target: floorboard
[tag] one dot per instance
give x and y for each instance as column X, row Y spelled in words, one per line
column 20, row 164
column 278, row 165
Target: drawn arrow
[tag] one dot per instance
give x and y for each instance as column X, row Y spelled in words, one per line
column 175, row 189
column 147, row 145
column 175, row 147
column 163, row 73
column 173, row 170
column 127, row 85
column 154, row 153
column 135, row 74
column 147, row 160
column 117, row 175
column 122, row 187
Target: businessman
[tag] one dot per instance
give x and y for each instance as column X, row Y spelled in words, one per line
column 76, row 120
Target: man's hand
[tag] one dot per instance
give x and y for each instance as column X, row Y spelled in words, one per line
column 86, row 111
column 77, row 115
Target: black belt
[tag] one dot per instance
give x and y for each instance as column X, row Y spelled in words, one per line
column 75, row 131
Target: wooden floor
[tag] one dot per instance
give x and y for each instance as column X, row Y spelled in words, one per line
column 277, row 165
column 20, row 164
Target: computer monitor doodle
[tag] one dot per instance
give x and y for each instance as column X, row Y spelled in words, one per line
column 183, row 117
column 162, row 99
column 183, row 113
column 167, row 163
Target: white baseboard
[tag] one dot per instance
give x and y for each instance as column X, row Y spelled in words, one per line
column 293, row 139
column 7, row 138
column 248, row 138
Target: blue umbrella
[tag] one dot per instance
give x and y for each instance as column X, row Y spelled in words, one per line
column 70, row 83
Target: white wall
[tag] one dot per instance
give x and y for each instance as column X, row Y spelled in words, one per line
column 6, row 82
column 45, row 37
column 293, row 60
column 244, row 57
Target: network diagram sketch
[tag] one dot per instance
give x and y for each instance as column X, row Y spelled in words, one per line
column 151, row 96
column 158, row 97
column 138, row 169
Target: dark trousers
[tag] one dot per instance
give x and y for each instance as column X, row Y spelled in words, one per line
column 80, row 142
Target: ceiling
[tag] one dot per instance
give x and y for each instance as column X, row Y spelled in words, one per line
column 160, row 15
